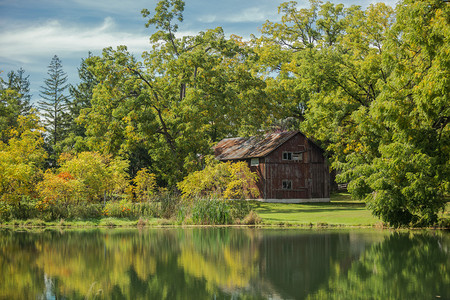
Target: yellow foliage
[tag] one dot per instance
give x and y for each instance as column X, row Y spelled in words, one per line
column 228, row 180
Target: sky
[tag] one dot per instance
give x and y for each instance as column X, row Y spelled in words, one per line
column 33, row 31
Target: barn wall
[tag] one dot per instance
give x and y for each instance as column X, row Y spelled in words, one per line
column 295, row 171
column 319, row 172
column 310, row 177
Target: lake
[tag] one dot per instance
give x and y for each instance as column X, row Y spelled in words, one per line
column 224, row 263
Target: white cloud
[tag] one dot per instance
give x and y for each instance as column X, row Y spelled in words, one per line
column 24, row 44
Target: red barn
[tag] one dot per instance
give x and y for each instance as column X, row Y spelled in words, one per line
column 290, row 167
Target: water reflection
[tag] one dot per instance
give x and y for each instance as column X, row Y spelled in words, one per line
column 223, row 263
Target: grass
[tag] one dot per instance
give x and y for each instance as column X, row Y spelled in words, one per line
column 340, row 211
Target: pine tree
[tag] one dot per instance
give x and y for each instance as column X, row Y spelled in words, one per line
column 14, row 101
column 21, row 84
column 54, row 106
column 81, row 97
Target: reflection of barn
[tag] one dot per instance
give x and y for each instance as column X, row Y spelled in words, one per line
column 290, row 167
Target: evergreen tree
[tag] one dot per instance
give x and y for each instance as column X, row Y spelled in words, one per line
column 14, row 101
column 54, row 107
column 21, row 84
column 81, row 97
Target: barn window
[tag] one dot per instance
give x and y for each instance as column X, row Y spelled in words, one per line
column 297, row 156
column 287, row 155
column 254, row 162
column 287, row 184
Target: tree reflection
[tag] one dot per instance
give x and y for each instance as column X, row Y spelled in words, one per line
column 222, row 263
column 404, row 266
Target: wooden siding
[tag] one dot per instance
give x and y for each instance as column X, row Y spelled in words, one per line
column 309, row 177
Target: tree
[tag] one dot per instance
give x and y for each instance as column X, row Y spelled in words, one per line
column 21, row 160
column 14, row 101
column 187, row 94
column 378, row 97
column 81, row 96
column 226, row 180
column 99, row 175
column 21, row 84
column 54, row 106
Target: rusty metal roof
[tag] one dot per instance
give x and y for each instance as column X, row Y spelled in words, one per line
column 255, row 146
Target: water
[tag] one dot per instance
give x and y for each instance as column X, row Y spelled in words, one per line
column 224, row 263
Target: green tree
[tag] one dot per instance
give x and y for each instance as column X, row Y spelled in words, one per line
column 187, row 94
column 21, row 83
column 54, row 106
column 100, row 175
column 14, row 101
column 226, row 180
column 377, row 91
column 21, row 160
column 144, row 185
column 81, row 96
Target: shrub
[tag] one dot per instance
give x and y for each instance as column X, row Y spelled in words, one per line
column 85, row 211
column 211, row 211
column 22, row 210
column 239, row 208
column 99, row 174
column 121, row 209
column 228, row 180
column 169, row 204
column 144, row 185
column 252, row 218
column 62, row 188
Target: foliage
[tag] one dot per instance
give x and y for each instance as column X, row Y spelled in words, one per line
column 81, row 96
column 187, row 94
column 62, row 187
column 23, row 210
column 14, row 101
column 21, row 159
column 252, row 218
column 100, row 175
column 228, row 180
column 144, row 185
column 375, row 93
column 54, row 106
column 211, row 211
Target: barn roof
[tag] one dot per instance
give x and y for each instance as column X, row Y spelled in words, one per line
column 255, row 146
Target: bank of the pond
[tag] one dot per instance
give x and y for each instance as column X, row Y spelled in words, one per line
column 340, row 212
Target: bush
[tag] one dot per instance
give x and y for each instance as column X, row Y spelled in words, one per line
column 169, row 204
column 144, row 185
column 52, row 210
column 227, row 180
column 252, row 218
column 211, row 211
column 121, row 209
column 22, row 210
column 240, row 208
column 85, row 211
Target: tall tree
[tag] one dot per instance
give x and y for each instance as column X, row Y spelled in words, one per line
column 54, row 106
column 21, row 83
column 188, row 93
column 377, row 98
column 14, row 100
column 81, row 96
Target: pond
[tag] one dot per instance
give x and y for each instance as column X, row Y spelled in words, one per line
column 224, row 263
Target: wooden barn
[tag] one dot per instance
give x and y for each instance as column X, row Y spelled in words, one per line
column 290, row 167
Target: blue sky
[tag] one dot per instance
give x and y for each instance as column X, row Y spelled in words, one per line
column 33, row 31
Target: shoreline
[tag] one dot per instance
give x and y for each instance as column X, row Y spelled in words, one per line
column 163, row 223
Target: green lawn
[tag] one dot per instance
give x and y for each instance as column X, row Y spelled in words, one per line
column 342, row 210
